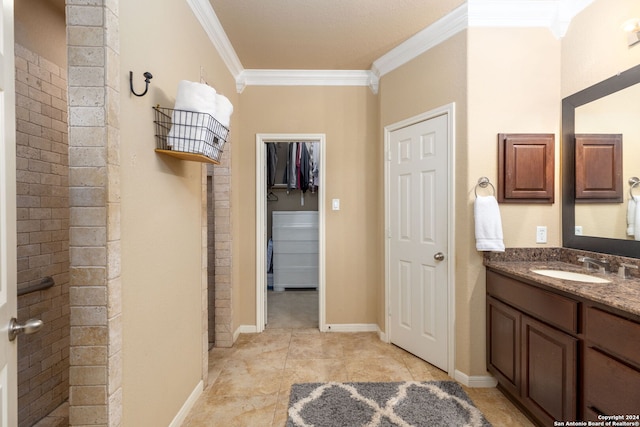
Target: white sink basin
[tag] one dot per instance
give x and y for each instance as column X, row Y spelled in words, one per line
column 571, row 275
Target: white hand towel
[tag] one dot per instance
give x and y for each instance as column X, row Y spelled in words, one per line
column 636, row 222
column 488, row 224
column 631, row 216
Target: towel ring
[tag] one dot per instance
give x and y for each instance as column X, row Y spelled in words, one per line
column 483, row 182
column 634, row 182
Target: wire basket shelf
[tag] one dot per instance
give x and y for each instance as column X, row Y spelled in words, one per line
column 189, row 135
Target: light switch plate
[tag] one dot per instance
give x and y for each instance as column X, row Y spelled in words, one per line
column 335, row 204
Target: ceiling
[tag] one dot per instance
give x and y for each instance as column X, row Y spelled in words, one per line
column 323, row 34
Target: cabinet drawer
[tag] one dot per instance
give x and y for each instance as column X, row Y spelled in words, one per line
column 610, row 387
column 616, row 334
column 546, row 306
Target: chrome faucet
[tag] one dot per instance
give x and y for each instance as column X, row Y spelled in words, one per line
column 624, row 270
column 602, row 264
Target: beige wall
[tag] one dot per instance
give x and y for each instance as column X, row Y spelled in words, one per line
column 502, row 80
column 161, row 214
column 354, row 244
column 595, row 46
column 436, row 78
column 514, row 87
column 40, row 27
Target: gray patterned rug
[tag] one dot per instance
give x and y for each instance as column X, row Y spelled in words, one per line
column 396, row 404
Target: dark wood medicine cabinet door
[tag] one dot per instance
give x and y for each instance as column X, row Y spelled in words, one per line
column 598, row 168
column 526, row 168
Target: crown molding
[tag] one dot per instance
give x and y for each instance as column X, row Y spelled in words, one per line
column 306, row 78
column 424, row 40
column 205, row 14
column 553, row 14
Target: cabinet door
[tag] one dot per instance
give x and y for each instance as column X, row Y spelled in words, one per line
column 503, row 347
column 525, row 168
column 610, row 387
column 549, row 372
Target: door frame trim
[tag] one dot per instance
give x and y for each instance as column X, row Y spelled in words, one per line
column 449, row 111
column 261, row 219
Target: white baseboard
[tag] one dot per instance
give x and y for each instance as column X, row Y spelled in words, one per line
column 244, row 329
column 383, row 336
column 188, row 405
column 351, row 327
column 486, row 381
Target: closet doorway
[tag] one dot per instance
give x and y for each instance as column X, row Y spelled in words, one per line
column 298, row 292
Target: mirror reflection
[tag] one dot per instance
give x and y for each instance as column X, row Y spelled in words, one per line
column 617, row 113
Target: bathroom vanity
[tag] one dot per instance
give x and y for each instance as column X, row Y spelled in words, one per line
column 563, row 350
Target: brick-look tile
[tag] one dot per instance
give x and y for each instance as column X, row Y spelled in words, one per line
column 87, row 196
column 88, row 216
column 88, row 236
column 88, row 256
column 86, row 96
column 85, row 36
column 88, row 375
column 85, row 15
column 86, row 76
column 114, row 305
column 92, row 56
column 87, row 415
column 89, row 335
column 43, row 250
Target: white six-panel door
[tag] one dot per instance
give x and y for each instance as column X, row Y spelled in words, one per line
column 8, row 279
column 418, row 239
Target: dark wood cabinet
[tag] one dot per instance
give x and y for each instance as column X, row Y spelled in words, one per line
column 525, row 168
column 599, row 168
column 503, row 349
column 549, row 371
column 561, row 357
column 611, row 367
column 534, row 361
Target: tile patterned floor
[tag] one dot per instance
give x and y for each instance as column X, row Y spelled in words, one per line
column 250, row 383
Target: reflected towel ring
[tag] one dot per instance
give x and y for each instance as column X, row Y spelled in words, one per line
column 634, row 182
column 483, row 182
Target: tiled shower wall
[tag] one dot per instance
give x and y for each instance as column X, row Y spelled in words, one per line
column 43, row 233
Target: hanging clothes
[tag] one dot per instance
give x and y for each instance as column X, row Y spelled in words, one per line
column 305, row 162
column 272, row 161
column 302, row 168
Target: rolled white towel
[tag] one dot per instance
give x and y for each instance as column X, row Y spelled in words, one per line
column 488, row 224
column 223, row 110
column 632, row 206
column 198, row 97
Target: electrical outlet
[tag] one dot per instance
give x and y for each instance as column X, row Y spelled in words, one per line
column 541, row 234
column 578, row 230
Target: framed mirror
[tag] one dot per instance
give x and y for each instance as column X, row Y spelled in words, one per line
column 611, row 106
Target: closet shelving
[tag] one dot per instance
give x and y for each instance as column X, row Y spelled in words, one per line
column 196, row 137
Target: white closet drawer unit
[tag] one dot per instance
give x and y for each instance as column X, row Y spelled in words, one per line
column 295, row 249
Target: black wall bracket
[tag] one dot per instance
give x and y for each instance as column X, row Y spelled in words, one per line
column 147, row 77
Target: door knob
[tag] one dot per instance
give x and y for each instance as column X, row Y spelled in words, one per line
column 29, row 327
column 439, row 256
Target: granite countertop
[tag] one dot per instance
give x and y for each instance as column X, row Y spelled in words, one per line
column 622, row 294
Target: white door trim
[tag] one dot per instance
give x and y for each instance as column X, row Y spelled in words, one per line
column 8, row 225
column 449, row 111
column 261, row 219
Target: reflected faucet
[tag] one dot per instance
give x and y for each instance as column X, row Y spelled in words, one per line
column 602, row 265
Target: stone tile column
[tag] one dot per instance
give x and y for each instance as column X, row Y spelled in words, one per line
column 95, row 375
column 222, row 260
